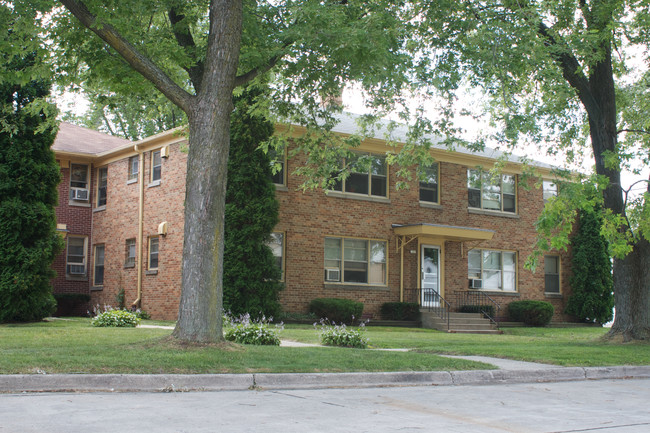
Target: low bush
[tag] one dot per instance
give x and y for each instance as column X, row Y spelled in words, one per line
column 243, row 330
column 332, row 334
column 116, row 318
column 532, row 313
column 489, row 309
column 141, row 314
column 400, row 311
column 336, row 310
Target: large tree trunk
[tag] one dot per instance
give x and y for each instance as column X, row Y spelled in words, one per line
column 631, row 274
column 200, row 310
column 632, row 294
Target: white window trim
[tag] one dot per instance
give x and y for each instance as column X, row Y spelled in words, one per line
column 95, row 265
column 149, row 253
column 559, row 273
column 153, row 181
column 420, row 187
column 126, row 253
column 342, row 260
column 84, row 260
column 132, row 177
column 88, row 188
column 370, row 195
column 501, row 271
column 501, row 193
column 97, row 205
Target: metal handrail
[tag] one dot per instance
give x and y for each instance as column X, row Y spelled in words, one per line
column 442, row 309
column 479, row 299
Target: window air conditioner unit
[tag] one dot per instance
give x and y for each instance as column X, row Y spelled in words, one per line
column 332, row 274
column 164, row 152
column 76, row 269
column 79, row 193
column 475, row 283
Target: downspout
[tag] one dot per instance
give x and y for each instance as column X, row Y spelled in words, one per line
column 401, row 272
column 138, row 244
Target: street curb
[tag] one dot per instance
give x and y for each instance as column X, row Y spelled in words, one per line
column 20, row 383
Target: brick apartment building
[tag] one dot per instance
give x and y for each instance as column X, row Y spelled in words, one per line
column 121, row 211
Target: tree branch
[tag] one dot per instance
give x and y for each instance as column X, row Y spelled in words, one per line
column 240, row 80
column 636, row 131
column 184, row 38
column 570, row 70
column 133, row 57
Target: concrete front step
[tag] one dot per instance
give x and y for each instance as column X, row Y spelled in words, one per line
column 460, row 323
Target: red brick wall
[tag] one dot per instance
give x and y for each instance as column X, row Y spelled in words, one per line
column 306, row 218
column 119, row 222
column 78, row 220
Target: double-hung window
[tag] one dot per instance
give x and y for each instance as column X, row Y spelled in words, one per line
column 98, row 273
column 102, row 186
column 429, row 185
column 276, row 243
column 156, row 166
column 277, row 166
column 76, row 256
column 495, row 193
column 549, row 189
column 361, row 261
column 551, row 274
column 497, row 270
column 368, row 176
column 79, row 182
column 134, row 168
column 129, row 260
column 153, row 252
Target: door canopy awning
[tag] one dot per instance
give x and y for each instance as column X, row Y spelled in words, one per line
column 448, row 233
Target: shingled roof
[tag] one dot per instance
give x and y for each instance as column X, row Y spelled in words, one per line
column 73, row 138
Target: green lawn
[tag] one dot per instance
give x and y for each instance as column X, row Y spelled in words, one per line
column 74, row 346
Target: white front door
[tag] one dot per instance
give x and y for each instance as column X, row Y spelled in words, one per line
column 430, row 260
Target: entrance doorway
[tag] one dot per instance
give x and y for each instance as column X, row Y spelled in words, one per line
column 430, row 265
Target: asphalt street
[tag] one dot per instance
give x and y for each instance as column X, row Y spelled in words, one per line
column 602, row 406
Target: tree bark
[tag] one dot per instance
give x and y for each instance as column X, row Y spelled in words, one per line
column 631, row 274
column 632, row 294
column 200, row 310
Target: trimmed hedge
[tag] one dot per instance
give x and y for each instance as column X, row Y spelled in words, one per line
column 532, row 313
column 489, row 309
column 336, row 310
column 400, row 311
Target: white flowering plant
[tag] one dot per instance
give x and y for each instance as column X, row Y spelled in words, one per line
column 244, row 330
column 332, row 334
column 116, row 318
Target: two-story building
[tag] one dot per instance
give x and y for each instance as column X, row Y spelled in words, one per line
column 459, row 231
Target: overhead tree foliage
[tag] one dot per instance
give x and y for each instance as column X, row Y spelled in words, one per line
column 556, row 73
column 251, row 276
column 196, row 53
column 591, row 296
column 29, row 174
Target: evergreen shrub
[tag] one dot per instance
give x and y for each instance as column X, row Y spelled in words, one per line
column 489, row 309
column 532, row 313
column 336, row 310
column 400, row 311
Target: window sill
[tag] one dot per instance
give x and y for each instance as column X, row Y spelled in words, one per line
column 129, row 266
column 154, row 183
column 151, row 272
column 100, row 209
column 76, row 278
column 353, row 196
column 553, row 295
column 279, row 187
column 352, row 286
column 492, row 213
column 498, row 293
column 78, row 203
column 96, row 288
column 430, row 205
column 130, row 181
